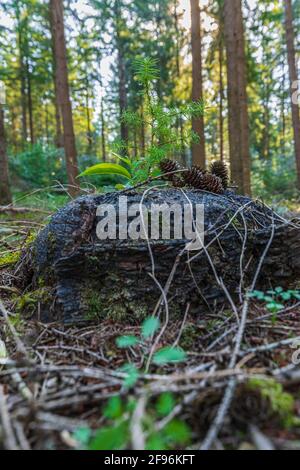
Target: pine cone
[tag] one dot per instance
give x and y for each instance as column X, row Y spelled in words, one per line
column 212, row 183
column 200, row 179
column 219, row 169
column 169, row 166
column 193, row 177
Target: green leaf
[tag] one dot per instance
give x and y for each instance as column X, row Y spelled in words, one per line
column 113, row 408
column 120, row 187
column 106, row 169
column 286, row 295
column 123, row 159
column 155, row 442
column 177, row 432
column 150, row 326
column 126, row 341
column 274, row 307
column 165, row 404
column 278, row 290
column 110, row 438
column 169, row 354
column 132, row 375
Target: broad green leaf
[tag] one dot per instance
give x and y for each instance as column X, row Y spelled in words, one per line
column 150, row 326
column 110, row 438
column 106, row 169
column 126, row 341
column 169, row 354
column 156, row 442
column 165, row 404
column 177, row 432
column 113, row 408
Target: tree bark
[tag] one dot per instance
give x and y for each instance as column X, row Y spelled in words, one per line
column 178, row 72
column 221, row 95
column 103, row 137
column 294, row 84
column 30, row 105
column 237, row 95
column 122, row 77
column 22, row 69
column 5, row 193
column 81, row 271
column 56, row 10
column 198, row 149
column 59, row 140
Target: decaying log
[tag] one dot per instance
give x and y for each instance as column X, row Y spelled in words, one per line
column 85, row 278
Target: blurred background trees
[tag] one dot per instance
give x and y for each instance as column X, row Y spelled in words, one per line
column 241, row 57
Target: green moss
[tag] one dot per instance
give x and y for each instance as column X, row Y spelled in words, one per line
column 93, row 304
column 281, row 402
column 26, row 304
column 10, row 258
column 117, row 306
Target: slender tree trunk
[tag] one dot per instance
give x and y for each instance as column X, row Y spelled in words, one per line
column 294, row 84
column 122, row 96
column 221, row 103
column 180, row 120
column 122, row 75
column 103, row 138
column 59, row 139
column 198, row 149
column 56, row 10
column 5, row 193
column 283, row 118
column 237, row 95
column 88, row 118
column 22, row 83
column 30, row 105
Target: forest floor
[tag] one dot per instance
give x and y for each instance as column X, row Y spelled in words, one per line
column 57, row 382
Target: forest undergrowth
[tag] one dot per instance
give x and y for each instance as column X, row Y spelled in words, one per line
column 87, row 387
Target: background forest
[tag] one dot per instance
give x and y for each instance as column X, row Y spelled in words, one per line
column 195, row 59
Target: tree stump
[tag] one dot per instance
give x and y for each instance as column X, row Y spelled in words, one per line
column 84, row 278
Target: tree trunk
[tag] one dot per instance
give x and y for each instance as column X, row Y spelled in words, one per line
column 198, row 149
column 5, row 193
column 81, row 272
column 122, row 97
column 22, row 80
column 237, row 95
column 56, row 10
column 221, row 94
column 178, row 72
column 30, row 105
column 103, row 138
column 121, row 75
column 59, row 140
column 294, row 84
column 88, row 118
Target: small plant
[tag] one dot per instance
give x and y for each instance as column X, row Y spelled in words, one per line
column 116, row 434
column 274, row 298
column 160, row 124
column 163, row 356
